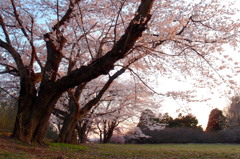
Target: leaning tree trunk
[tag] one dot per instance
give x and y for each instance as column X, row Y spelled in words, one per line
column 70, row 122
column 67, row 131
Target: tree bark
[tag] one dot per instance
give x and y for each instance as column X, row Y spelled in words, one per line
column 67, row 130
column 27, row 97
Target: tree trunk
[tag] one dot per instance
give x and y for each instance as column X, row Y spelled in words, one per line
column 27, row 97
column 108, row 132
column 67, row 131
column 71, row 120
column 82, row 130
column 33, row 116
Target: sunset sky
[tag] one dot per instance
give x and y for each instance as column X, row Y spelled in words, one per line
column 216, row 96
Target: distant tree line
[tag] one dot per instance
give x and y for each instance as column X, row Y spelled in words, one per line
column 223, row 127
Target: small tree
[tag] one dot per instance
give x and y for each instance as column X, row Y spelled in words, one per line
column 215, row 121
column 148, row 122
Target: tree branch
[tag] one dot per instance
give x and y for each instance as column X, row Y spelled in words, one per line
column 30, row 39
column 87, row 107
column 5, row 30
column 8, row 93
column 144, row 83
column 67, row 15
column 15, row 55
column 106, row 63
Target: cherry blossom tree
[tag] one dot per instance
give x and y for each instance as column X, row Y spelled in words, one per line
column 77, row 111
column 233, row 113
column 39, row 38
column 121, row 104
column 35, row 106
column 108, row 112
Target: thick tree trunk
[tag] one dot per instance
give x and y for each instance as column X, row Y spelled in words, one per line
column 35, row 108
column 26, row 101
column 108, row 136
column 32, row 119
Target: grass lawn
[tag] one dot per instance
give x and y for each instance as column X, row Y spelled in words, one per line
column 10, row 149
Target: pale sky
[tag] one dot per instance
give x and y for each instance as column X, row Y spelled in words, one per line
column 218, row 96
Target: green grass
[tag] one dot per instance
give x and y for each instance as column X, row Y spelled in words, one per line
column 9, row 155
column 112, row 151
column 67, row 147
column 168, row 151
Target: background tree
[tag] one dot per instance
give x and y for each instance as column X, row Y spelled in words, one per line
column 233, row 113
column 216, row 120
column 187, row 121
column 165, row 129
column 122, row 102
column 108, row 112
column 148, row 121
column 77, row 112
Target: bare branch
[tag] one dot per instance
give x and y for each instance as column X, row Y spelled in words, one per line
column 144, row 83
column 14, row 54
column 84, row 32
column 202, row 56
column 201, row 22
column 184, row 27
column 115, row 27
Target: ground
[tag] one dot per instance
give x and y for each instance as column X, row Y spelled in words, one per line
column 11, row 149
